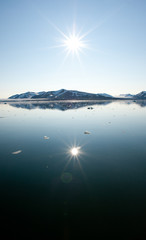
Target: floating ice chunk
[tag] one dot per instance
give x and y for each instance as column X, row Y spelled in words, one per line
column 17, row 152
column 45, row 137
column 86, row 132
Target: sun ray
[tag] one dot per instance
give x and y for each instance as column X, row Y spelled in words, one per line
column 65, row 58
column 78, row 56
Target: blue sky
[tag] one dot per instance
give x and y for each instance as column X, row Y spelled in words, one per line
column 114, row 63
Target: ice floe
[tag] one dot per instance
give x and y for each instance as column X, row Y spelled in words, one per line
column 17, row 152
column 86, row 132
column 45, row 137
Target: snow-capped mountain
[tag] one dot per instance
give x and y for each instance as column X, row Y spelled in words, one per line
column 128, row 95
column 105, row 95
column 23, row 95
column 141, row 95
column 62, row 94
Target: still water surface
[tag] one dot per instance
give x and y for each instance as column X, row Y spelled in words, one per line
column 45, row 189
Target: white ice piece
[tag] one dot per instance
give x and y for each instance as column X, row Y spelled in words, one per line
column 45, row 137
column 86, row 132
column 17, row 152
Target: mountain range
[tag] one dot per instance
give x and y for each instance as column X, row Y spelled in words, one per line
column 64, row 94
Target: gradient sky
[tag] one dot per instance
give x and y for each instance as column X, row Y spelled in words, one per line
column 114, row 63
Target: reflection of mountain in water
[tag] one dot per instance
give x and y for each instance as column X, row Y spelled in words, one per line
column 69, row 105
column 142, row 103
column 57, row 105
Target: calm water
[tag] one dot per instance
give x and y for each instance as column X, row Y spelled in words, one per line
column 45, row 190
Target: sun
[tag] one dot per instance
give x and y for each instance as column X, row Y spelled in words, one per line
column 73, row 44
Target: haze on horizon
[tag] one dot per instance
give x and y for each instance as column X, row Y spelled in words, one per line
column 36, row 53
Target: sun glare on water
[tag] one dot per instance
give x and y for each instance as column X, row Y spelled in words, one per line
column 74, row 151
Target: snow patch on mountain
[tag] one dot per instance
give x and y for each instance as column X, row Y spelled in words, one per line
column 141, row 95
column 23, row 95
column 105, row 95
column 127, row 95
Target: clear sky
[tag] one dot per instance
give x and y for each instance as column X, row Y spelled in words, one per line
column 114, row 62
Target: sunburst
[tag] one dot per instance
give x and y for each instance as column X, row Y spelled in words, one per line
column 75, row 151
column 73, row 43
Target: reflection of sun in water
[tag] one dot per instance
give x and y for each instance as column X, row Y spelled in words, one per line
column 74, row 151
column 75, row 156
